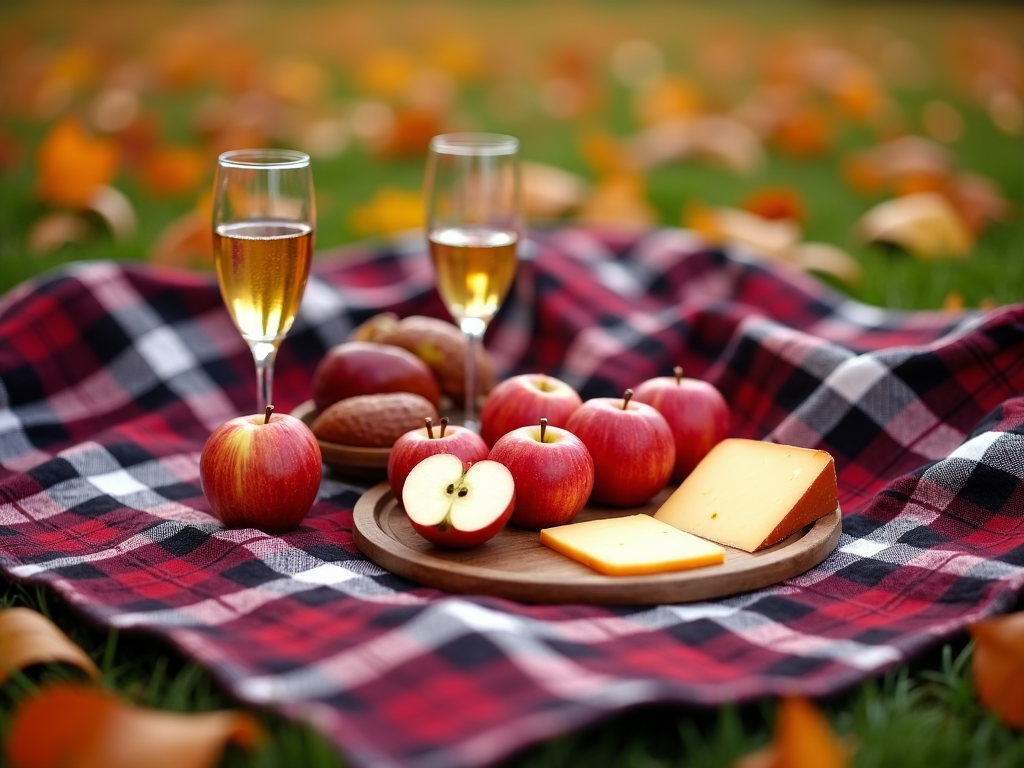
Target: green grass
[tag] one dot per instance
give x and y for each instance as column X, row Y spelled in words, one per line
column 922, row 715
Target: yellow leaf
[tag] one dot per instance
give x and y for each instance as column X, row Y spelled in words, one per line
column 926, row 224
column 28, row 638
column 390, row 210
column 73, row 164
column 70, row 726
column 998, row 666
column 619, row 203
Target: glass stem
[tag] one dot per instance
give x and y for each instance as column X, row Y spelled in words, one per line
column 264, row 352
column 474, row 329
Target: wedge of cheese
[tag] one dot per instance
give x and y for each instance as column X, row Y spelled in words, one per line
column 627, row 546
column 750, row 494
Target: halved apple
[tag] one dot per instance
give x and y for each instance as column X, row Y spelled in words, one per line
column 455, row 505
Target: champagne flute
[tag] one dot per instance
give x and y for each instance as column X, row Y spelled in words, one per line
column 264, row 216
column 474, row 220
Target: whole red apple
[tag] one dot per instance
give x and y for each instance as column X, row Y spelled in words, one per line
column 454, row 505
column 632, row 447
column 261, row 471
column 368, row 368
column 414, row 446
column 553, row 471
column 522, row 400
column 695, row 411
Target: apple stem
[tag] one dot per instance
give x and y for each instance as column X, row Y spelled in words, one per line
column 626, row 396
column 444, row 424
column 266, row 418
column 678, row 371
column 543, row 427
column 430, row 427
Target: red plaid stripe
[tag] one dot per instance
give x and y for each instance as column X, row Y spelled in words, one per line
column 113, row 375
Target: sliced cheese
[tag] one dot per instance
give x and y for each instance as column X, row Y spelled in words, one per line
column 626, row 546
column 750, row 494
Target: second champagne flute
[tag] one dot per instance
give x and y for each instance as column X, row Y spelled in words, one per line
column 474, row 220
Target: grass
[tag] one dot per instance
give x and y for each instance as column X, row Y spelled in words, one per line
column 922, row 715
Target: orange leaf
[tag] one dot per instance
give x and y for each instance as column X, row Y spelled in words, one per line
column 390, row 210
column 72, row 164
column 776, row 203
column 804, row 133
column 174, row 170
column 70, row 726
column 803, row 739
column 28, row 638
column 998, row 666
column 619, row 202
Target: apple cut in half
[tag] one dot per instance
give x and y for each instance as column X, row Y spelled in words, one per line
column 452, row 505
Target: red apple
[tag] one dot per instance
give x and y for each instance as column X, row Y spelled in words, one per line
column 368, row 368
column 695, row 411
column 522, row 400
column 632, row 447
column 261, row 471
column 455, row 505
column 414, row 446
column 553, row 471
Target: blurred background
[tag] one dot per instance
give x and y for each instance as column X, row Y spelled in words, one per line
column 879, row 146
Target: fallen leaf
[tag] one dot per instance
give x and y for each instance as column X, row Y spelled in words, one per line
column 549, row 191
column 28, row 638
column 978, row 200
column 664, row 99
column 776, row 203
column 185, row 242
column 954, row 301
column 828, row 260
column 116, row 210
column 298, row 80
column 70, row 726
column 764, row 237
column 803, row 739
column 998, row 666
column 386, row 72
column 170, row 171
column 806, row 132
column 618, row 202
column 390, row 210
column 72, row 164
column 925, row 224
column 56, row 229
column 720, row 138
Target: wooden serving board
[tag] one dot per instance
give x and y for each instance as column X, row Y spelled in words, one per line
column 515, row 565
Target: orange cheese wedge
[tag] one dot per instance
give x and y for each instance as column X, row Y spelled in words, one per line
column 629, row 546
column 751, row 494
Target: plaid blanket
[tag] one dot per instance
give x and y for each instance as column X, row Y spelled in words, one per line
column 113, row 375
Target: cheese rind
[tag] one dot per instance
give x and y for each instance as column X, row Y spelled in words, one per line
column 751, row 494
column 633, row 545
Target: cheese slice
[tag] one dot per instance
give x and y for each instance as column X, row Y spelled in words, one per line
column 750, row 494
column 626, row 546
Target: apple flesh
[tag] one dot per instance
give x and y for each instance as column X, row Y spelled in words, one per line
column 368, row 368
column 553, row 470
column 631, row 445
column 261, row 471
column 416, row 445
column 522, row 401
column 452, row 505
column 695, row 411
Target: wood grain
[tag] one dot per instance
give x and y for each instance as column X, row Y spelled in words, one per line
column 515, row 565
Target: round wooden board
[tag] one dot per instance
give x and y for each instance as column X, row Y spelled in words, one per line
column 515, row 565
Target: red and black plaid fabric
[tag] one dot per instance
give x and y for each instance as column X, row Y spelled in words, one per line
column 113, row 375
